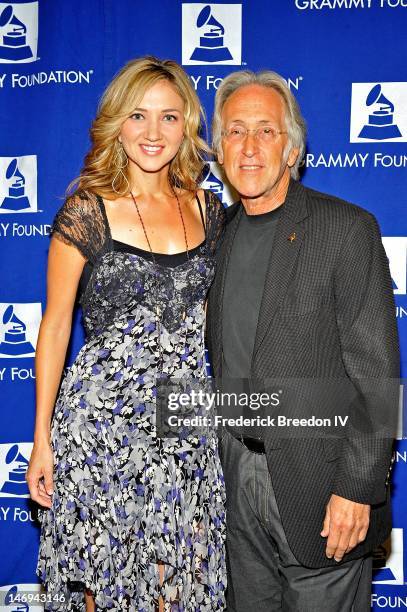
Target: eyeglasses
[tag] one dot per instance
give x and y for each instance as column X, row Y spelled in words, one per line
column 265, row 133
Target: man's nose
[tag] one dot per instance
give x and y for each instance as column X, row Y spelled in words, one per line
column 250, row 144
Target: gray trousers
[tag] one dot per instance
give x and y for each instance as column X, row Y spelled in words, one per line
column 263, row 574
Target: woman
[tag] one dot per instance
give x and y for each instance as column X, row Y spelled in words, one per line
column 134, row 522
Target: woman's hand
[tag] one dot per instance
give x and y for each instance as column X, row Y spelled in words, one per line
column 40, row 474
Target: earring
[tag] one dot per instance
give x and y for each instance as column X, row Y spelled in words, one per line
column 120, row 161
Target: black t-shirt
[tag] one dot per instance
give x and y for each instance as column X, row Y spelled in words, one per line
column 244, row 285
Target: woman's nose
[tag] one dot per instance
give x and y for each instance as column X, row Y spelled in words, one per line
column 153, row 131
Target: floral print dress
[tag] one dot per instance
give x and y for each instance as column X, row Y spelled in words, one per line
column 124, row 498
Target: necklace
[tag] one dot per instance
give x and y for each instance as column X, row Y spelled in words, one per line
column 144, row 228
column 157, row 307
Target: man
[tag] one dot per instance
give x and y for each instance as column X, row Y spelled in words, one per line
column 302, row 294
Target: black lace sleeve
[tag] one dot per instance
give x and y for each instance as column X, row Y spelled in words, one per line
column 215, row 221
column 80, row 222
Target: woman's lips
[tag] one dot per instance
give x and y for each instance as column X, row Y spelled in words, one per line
column 151, row 149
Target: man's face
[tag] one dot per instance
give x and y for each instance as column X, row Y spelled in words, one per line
column 254, row 167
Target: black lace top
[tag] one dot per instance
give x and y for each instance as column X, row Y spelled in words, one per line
column 113, row 270
column 82, row 222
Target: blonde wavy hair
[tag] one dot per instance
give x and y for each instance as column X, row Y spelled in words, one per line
column 119, row 100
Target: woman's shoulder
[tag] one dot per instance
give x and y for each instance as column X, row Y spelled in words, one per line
column 81, row 200
column 213, row 203
column 203, row 195
column 214, row 209
column 80, row 222
column 82, row 207
column 215, row 219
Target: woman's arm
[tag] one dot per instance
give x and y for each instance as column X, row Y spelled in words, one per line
column 65, row 265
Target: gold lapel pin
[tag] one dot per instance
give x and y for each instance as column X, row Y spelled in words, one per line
column 292, row 237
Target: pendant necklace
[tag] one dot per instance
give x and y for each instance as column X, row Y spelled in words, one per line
column 158, row 310
column 144, row 229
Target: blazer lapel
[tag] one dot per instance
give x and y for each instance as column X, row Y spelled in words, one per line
column 217, row 291
column 285, row 250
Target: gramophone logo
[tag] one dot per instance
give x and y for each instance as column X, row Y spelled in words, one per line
column 12, row 594
column 217, row 182
column 388, row 560
column 18, row 184
column 379, row 112
column 396, row 251
column 18, row 32
column 14, row 460
column 19, row 327
column 211, row 34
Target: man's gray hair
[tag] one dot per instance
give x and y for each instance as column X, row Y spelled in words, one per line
column 295, row 124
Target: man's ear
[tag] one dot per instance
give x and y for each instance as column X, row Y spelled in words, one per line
column 292, row 157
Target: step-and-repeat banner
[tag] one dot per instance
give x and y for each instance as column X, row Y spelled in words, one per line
column 345, row 60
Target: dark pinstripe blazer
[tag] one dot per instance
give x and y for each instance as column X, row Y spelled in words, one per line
column 327, row 312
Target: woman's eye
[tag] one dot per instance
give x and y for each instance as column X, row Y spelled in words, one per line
column 170, row 118
column 136, row 116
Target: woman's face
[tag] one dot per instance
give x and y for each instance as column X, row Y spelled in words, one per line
column 153, row 133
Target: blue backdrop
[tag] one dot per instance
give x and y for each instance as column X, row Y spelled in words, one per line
column 345, row 60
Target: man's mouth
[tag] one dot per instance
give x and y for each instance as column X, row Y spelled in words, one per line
column 250, row 167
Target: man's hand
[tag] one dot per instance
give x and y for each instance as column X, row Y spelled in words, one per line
column 345, row 525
